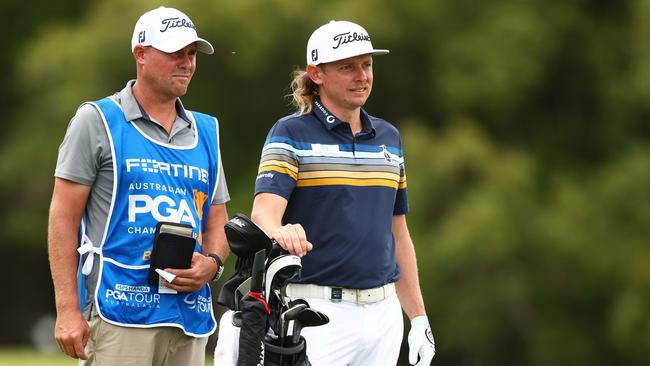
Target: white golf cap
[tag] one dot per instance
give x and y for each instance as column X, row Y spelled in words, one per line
column 338, row 40
column 168, row 30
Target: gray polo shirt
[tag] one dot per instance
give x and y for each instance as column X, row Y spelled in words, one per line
column 85, row 157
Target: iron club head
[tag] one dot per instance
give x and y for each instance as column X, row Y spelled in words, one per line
column 288, row 315
column 308, row 317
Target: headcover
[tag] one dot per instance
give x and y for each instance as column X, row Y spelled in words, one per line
column 244, row 237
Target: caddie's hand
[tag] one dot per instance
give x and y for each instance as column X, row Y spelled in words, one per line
column 292, row 238
column 71, row 332
column 421, row 342
column 192, row 279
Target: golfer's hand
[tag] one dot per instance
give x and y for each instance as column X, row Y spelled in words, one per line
column 201, row 271
column 421, row 342
column 293, row 239
column 71, row 332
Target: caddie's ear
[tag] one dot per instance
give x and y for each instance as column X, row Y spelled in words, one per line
column 138, row 54
column 315, row 74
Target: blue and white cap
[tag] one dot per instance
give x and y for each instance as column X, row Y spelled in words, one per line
column 338, row 40
column 167, row 30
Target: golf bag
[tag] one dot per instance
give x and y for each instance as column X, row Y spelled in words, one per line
column 295, row 355
column 254, row 293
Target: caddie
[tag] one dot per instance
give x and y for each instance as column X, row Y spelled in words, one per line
column 127, row 162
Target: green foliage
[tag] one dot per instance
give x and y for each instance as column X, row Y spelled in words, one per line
column 525, row 126
column 519, row 272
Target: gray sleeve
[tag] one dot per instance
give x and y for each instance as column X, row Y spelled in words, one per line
column 84, row 147
column 222, row 195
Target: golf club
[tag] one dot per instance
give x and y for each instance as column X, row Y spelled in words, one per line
column 308, row 317
column 288, row 315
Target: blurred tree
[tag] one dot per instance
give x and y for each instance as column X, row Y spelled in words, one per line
column 22, row 23
column 526, row 271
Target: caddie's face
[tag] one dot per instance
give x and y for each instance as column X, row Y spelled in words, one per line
column 346, row 83
column 170, row 73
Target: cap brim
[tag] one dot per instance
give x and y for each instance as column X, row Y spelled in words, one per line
column 379, row 52
column 344, row 56
column 175, row 44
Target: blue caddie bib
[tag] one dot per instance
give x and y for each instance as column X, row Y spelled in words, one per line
column 154, row 182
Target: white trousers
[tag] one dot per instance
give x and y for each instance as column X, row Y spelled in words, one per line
column 227, row 349
column 357, row 335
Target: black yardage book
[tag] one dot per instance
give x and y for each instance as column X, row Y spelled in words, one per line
column 173, row 246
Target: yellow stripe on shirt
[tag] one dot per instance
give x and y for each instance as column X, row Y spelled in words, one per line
column 281, row 163
column 348, row 174
column 346, row 182
column 280, row 169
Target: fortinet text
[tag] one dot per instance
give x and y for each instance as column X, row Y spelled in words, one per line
column 160, row 167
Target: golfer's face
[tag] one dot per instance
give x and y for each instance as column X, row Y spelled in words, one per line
column 347, row 82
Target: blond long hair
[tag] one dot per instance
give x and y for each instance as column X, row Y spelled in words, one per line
column 303, row 90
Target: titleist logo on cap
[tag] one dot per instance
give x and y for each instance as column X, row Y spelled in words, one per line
column 168, row 30
column 175, row 23
column 338, row 40
column 348, row 37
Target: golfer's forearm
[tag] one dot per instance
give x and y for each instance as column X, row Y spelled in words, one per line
column 267, row 212
column 408, row 286
column 266, row 223
column 409, row 293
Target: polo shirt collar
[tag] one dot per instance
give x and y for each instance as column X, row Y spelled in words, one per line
column 133, row 110
column 330, row 121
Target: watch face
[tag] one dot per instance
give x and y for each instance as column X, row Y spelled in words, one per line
column 219, row 266
column 218, row 274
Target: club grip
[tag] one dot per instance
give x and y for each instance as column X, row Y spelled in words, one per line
column 257, row 276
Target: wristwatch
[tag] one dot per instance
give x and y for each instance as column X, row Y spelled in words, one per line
column 219, row 262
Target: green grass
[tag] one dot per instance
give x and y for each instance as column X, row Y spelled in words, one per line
column 32, row 357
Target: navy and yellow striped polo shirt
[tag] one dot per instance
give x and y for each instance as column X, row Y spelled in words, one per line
column 344, row 191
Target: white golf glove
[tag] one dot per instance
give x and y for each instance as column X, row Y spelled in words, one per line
column 421, row 342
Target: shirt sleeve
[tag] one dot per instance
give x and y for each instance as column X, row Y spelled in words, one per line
column 401, row 198
column 222, row 195
column 84, row 147
column 278, row 169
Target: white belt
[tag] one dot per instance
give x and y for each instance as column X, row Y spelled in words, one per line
column 336, row 294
